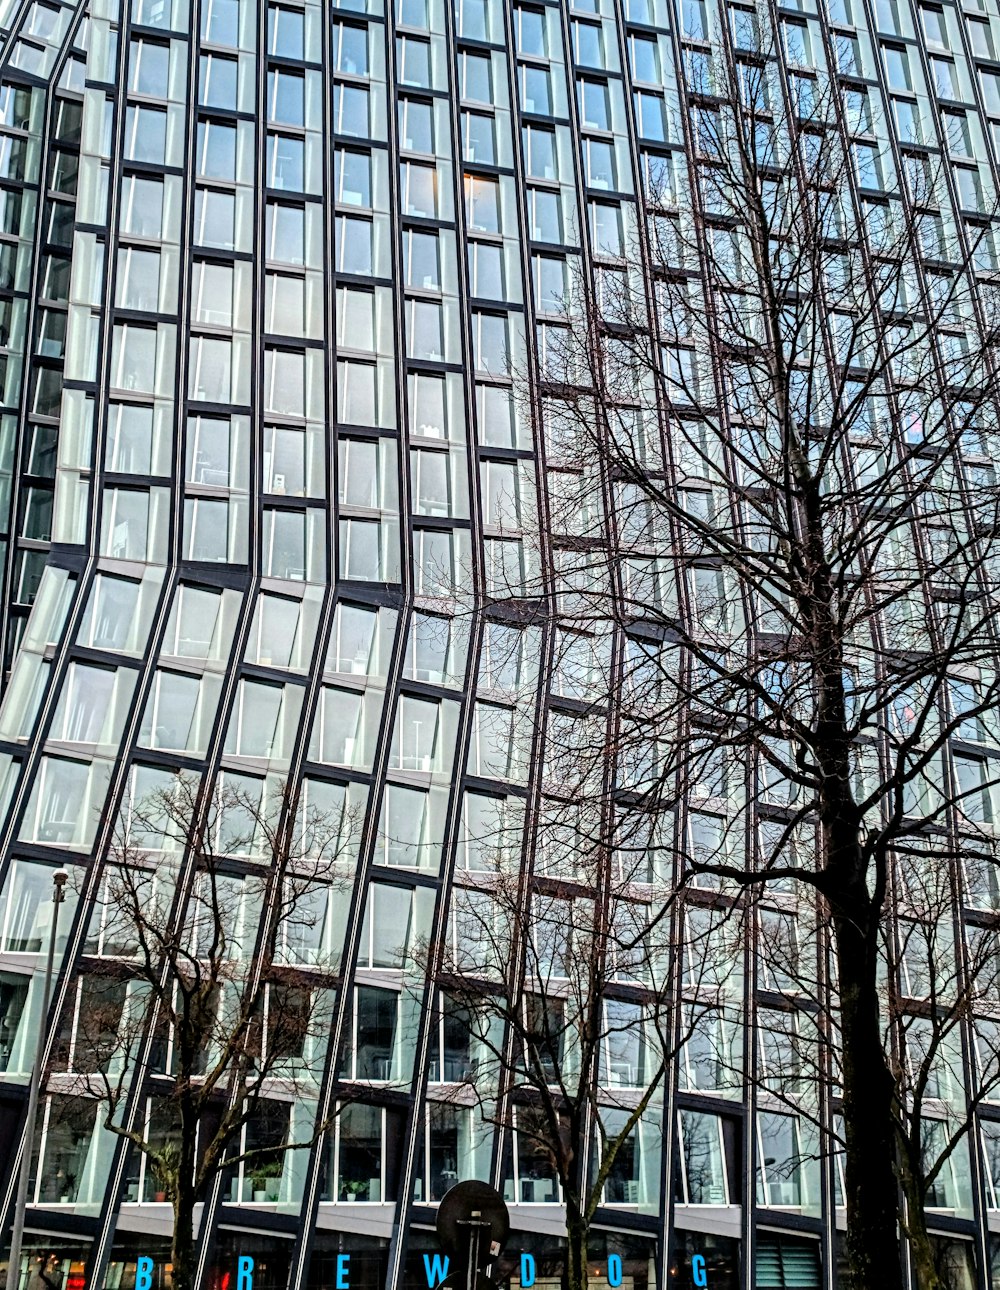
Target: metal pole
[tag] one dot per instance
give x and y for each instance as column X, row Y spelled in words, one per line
column 59, row 879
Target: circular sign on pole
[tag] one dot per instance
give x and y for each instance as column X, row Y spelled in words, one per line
column 473, row 1223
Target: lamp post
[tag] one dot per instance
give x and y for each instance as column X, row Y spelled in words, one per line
column 59, row 880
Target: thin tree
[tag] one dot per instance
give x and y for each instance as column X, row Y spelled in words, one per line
column 206, row 987
column 770, row 422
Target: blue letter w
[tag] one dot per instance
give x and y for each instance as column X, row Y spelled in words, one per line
column 436, row 1269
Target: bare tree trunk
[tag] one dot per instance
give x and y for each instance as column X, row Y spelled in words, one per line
column 872, row 1241
column 182, row 1250
column 182, row 1244
column 925, row 1270
column 576, row 1248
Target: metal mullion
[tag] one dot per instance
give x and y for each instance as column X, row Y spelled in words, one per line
column 328, row 1093
column 612, row 724
column 670, row 1077
column 532, row 789
column 414, row 1156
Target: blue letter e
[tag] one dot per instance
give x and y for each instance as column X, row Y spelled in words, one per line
column 698, row 1270
column 244, row 1272
column 343, row 1272
column 144, row 1272
column 527, row 1270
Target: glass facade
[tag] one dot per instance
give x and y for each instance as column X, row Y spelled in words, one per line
column 276, row 498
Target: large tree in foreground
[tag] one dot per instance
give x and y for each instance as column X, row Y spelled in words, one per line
column 771, row 428
column 200, row 1017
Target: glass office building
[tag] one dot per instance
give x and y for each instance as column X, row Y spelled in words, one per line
column 271, row 277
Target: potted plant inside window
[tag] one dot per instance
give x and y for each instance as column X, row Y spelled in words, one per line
column 163, row 1171
column 357, row 1189
column 265, row 1176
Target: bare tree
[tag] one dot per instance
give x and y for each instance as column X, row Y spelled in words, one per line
column 769, row 418
column 206, row 987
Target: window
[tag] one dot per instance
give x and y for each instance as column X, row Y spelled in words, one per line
column 148, row 68
column 427, row 405
column 703, row 1179
column 424, row 330
column 651, row 116
column 145, row 134
column 478, row 138
column 536, row 93
column 286, row 233
column 286, row 159
column 413, row 62
column 141, row 210
column 595, row 111
column 897, row 67
column 133, row 358
column 350, row 110
column 476, row 77
column 539, row 153
column 285, row 32
column 129, row 439
column 418, row 189
column 217, row 82
column 137, row 285
column 350, row 49
column 588, row 44
column 486, row 271
column 545, row 213
column 644, row 56
column 600, row 164
column 416, row 126
column 209, row 446
column 26, row 909
column 284, row 304
column 606, row 230
column 216, row 150
column 944, row 77
column 212, row 293
column 210, row 370
column 352, row 177
column 530, row 28
column 482, row 204
column 284, row 381
column 798, row 47
column 473, row 19
column 780, row 1171
column 285, row 98
column 214, row 219
column 220, row 22
column 355, row 319
column 354, row 245
column 421, row 258
column 489, row 335
column 283, row 544
column 206, row 529
column 356, row 394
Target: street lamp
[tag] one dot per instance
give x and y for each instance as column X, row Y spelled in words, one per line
column 59, row 880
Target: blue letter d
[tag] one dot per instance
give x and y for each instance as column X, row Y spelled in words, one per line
column 527, row 1270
